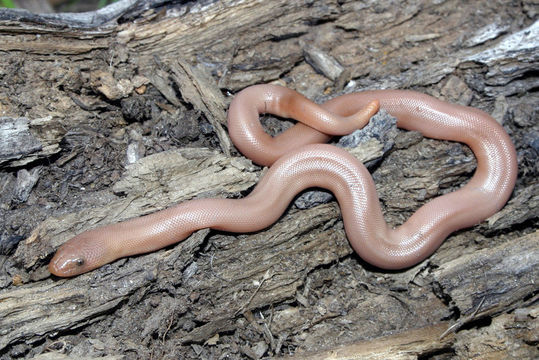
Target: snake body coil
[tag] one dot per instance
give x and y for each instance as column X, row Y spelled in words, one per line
column 298, row 162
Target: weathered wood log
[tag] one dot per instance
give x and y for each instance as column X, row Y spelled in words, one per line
column 403, row 346
column 23, row 140
column 493, row 280
column 130, row 95
column 168, row 178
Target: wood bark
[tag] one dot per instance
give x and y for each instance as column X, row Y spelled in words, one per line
column 119, row 114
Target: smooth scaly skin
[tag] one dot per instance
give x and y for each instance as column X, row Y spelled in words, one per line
column 299, row 166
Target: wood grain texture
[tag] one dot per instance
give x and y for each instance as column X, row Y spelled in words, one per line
column 158, row 80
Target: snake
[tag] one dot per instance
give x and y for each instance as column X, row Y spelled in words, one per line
column 299, row 158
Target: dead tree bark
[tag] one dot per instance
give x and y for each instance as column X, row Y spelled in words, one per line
column 115, row 114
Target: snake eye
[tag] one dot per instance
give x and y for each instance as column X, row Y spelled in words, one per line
column 79, row 261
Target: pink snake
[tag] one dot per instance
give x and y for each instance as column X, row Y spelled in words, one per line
column 299, row 162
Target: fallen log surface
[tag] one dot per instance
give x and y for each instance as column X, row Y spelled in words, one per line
column 111, row 115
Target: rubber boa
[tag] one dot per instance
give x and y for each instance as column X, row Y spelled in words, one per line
column 298, row 161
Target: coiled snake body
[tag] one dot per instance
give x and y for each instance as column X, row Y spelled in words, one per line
column 298, row 161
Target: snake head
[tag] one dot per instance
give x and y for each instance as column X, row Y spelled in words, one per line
column 78, row 255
